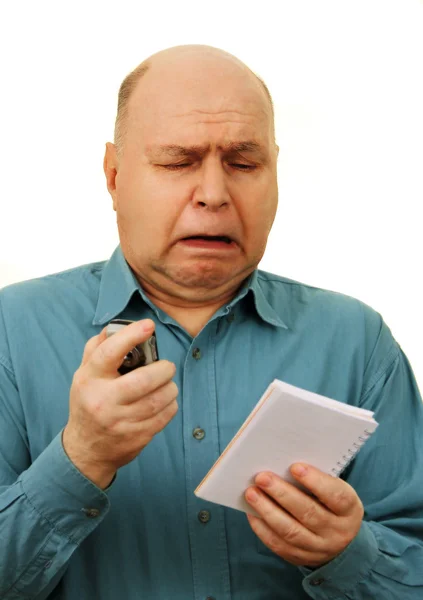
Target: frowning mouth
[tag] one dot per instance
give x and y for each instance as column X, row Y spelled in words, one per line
column 210, row 238
column 209, row 242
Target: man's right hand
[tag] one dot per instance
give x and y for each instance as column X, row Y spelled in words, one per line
column 112, row 417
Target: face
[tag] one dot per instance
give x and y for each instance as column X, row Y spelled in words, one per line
column 198, row 159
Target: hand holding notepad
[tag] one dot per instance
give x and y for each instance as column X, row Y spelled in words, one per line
column 288, row 425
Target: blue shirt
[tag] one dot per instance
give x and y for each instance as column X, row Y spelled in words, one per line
column 142, row 538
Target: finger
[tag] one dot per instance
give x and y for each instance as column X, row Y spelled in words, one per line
column 135, row 385
column 109, row 355
column 305, row 509
column 281, row 522
column 335, row 493
column 152, row 404
column 92, row 344
column 159, row 421
column 293, row 554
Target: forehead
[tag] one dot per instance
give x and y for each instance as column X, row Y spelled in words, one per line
column 201, row 101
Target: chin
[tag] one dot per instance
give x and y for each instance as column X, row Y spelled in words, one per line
column 205, row 276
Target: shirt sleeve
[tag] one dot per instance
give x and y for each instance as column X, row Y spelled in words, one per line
column 47, row 508
column 385, row 560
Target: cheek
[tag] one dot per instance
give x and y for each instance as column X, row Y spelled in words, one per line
column 145, row 211
column 260, row 215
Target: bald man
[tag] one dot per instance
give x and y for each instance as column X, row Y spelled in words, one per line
column 98, row 469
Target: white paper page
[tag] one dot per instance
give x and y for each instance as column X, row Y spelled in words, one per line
column 284, row 430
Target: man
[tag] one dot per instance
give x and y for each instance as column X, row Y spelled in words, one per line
column 98, row 470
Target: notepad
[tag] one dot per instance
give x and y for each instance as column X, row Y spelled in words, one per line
column 288, row 425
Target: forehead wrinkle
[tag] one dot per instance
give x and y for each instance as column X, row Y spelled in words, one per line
column 230, row 147
column 177, row 150
column 217, row 112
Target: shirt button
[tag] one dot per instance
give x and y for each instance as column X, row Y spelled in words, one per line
column 204, row 516
column 317, row 581
column 231, row 317
column 198, row 433
column 196, row 353
column 92, row 513
column 210, row 598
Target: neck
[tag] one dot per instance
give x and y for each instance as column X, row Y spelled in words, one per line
column 192, row 317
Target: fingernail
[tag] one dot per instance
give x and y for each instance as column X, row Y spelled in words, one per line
column 252, row 496
column 299, row 470
column 263, row 480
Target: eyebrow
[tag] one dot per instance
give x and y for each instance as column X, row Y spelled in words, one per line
column 176, row 150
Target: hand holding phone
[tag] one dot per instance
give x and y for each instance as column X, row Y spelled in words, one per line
column 112, row 417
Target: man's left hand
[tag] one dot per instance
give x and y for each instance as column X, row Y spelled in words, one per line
column 304, row 530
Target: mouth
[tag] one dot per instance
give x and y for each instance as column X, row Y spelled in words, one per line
column 210, row 238
column 209, row 242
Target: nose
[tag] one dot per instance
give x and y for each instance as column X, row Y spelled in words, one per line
column 211, row 191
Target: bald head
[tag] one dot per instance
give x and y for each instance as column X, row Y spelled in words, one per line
column 191, row 61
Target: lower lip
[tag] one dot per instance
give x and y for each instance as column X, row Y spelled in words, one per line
column 212, row 245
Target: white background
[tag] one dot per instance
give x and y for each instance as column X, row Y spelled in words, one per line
column 347, row 81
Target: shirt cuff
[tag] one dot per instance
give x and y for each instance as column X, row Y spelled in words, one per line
column 62, row 495
column 344, row 572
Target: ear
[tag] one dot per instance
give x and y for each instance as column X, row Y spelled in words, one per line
column 110, row 167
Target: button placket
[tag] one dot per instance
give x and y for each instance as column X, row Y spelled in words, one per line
column 200, row 424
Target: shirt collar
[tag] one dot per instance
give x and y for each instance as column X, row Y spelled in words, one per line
column 118, row 284
column 262, row 305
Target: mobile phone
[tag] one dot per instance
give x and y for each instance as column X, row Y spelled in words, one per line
column 141, row 355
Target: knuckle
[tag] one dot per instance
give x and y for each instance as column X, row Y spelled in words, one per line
column 342, row 500
column 104, row 352
column 292, row 534
column 154, row 404
column 281, row 494
column 311, row 515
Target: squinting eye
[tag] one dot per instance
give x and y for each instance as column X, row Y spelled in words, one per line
column 242, row 167
column 174, row 167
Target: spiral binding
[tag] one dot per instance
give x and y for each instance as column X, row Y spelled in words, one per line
column 348, row 457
